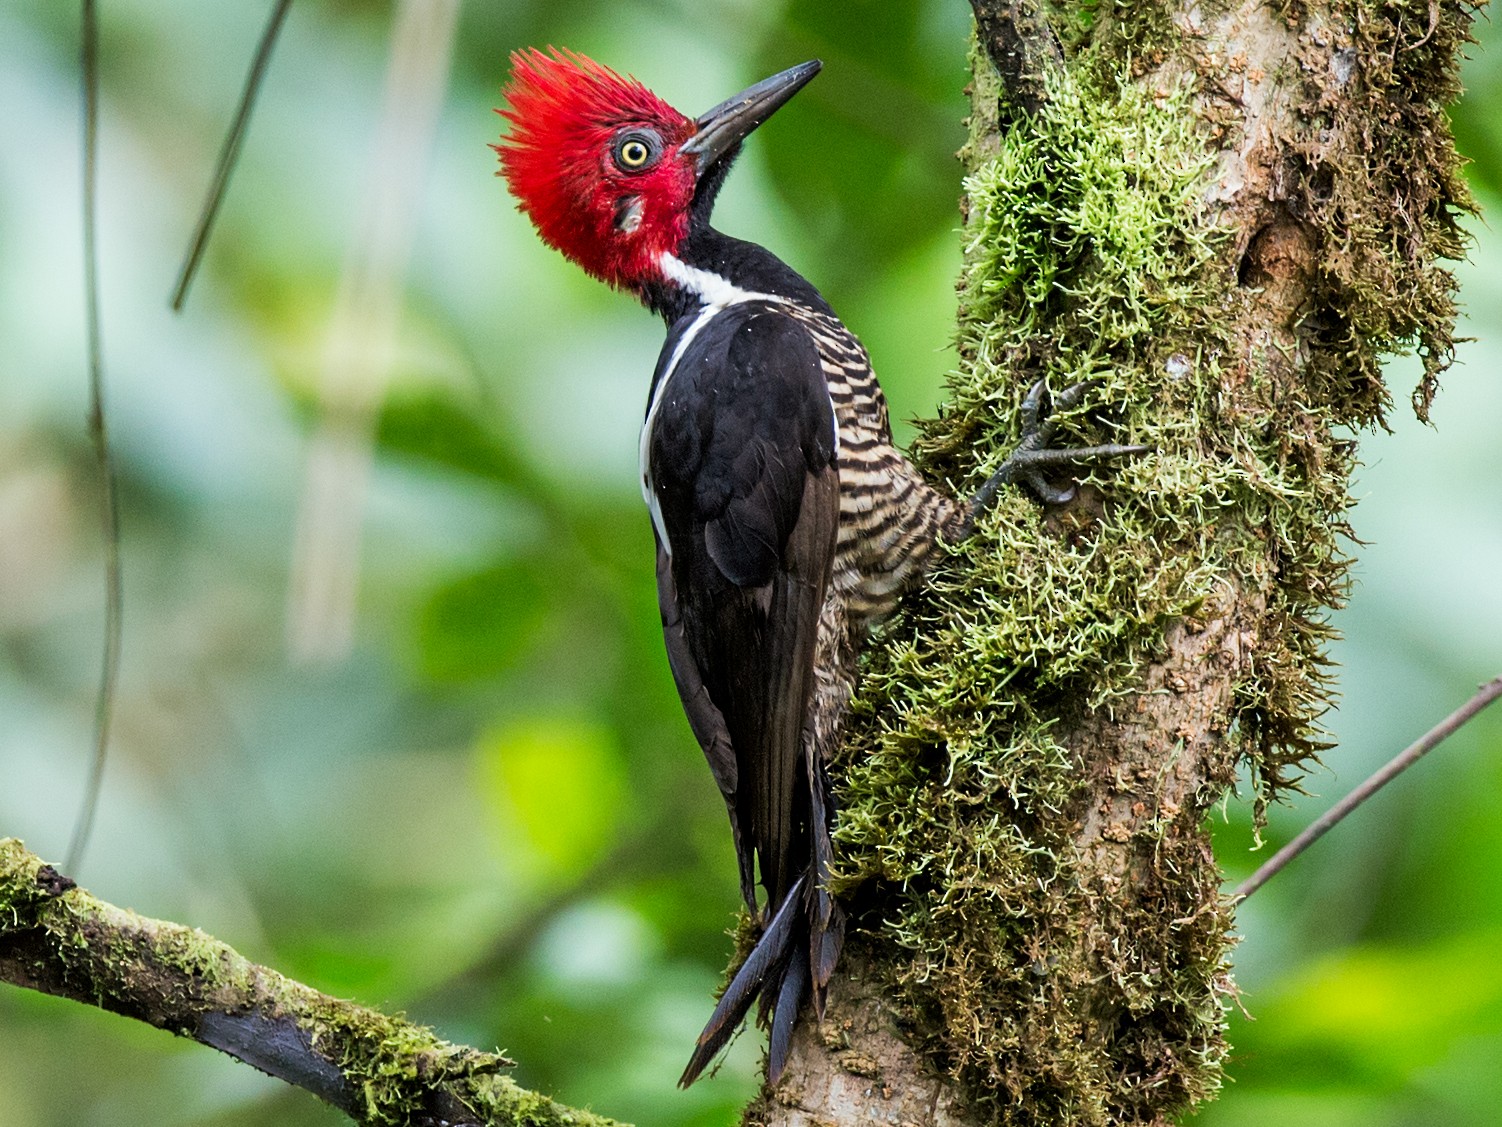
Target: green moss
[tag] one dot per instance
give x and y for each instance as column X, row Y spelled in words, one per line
column 18, row 886
column 394, row 1065
column 1088, row 258
column 1091, row 256
column 1388, row 201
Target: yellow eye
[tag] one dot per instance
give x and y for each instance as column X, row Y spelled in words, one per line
column 637, row 150
column 634, row 154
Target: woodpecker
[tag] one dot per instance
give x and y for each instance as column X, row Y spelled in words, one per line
column 787, row 523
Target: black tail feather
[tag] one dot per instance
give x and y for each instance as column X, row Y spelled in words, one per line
column 798, row 950
column 824, row 948
column 827, row 925
column 789, row 999
column 764, row 964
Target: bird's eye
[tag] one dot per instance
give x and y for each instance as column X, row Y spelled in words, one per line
column 637, row 150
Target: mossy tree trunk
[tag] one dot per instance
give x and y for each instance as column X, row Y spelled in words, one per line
column 1224, row 216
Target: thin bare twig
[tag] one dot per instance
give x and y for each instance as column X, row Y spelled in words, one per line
column 1395, row 767
column 229, row 154
column 109, row 500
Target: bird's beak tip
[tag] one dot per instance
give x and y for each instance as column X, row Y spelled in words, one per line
column 725, row 126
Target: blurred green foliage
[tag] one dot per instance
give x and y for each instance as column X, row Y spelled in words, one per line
column 491, row 814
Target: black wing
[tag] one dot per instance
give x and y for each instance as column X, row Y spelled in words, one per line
column 741, row 454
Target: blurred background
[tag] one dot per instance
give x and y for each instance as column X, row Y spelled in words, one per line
column 394, row 716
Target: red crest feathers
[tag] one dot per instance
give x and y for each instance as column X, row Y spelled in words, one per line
column 565, row 110
column 554, row 96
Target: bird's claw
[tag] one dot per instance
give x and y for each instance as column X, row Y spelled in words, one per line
column 1048, row 494
column 1034, row 409
column 1034, row 454
column 1040, row 414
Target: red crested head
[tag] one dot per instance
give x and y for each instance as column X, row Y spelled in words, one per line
column 607, row 171
column 593, row 159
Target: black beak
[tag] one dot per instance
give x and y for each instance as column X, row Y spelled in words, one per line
column 725, row 126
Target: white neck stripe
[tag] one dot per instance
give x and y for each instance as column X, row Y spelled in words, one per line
column 714, row 292
column 644, row 448
column 711, row 288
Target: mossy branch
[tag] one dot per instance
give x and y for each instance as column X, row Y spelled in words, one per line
column 377, row 1069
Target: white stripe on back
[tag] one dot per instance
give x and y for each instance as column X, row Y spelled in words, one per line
column 715, row 293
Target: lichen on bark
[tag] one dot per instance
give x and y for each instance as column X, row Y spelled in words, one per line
column 1205, row 218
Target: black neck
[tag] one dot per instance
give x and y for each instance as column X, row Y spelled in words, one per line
column 746, row 266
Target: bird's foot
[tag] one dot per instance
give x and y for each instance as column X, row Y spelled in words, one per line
column 1026, row 464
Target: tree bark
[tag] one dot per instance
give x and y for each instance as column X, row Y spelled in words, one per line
column 1224, row 215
